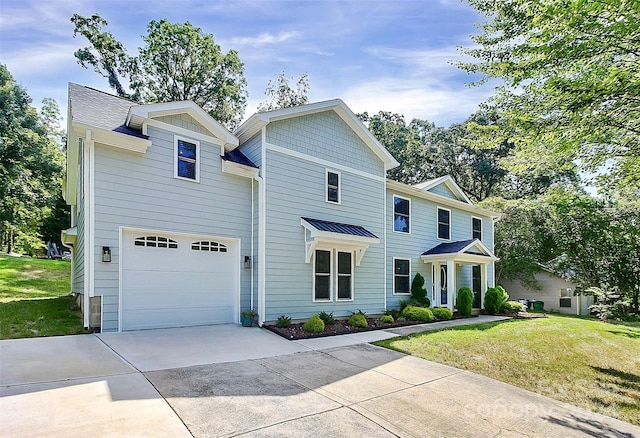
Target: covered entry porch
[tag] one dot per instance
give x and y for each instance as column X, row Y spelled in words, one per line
column 446, row 258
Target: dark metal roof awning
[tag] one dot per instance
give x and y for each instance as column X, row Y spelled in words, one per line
column 330, row 234
column 463, row 251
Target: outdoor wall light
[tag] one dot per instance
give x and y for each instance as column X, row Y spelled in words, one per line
column 106, row 254
column 247, row 262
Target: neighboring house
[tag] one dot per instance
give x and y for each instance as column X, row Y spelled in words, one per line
column 556, row 292
column 176, row 221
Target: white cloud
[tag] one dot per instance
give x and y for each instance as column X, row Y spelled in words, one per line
column 262, row 39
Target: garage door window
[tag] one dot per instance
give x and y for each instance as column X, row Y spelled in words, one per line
column 155, row 242
column 208, row 246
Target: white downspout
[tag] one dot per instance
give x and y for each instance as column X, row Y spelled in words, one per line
column 262, row 231
column 252, row 243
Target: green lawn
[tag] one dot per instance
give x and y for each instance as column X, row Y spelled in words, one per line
column 33, row 299
column 579, row 361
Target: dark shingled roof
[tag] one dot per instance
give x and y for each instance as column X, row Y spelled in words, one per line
column 102, row 110
column 235, row 156
column 448, row 248
column 336, row 227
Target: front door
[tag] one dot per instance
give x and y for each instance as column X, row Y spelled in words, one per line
column 443, row 285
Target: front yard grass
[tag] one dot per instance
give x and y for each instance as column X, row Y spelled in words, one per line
column 33, row 299
column 579, row 361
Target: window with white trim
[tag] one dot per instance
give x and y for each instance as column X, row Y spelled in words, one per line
column 187, row 158
column 333, row 187
column 155, row 242
column 476, row 228
column 333, row 272
column 401, row 212
column 444, row 224
column 206, row 245
column 401, row 276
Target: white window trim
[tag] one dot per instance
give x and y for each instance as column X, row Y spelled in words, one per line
column 438, row 224
column 331, row 272
column 333, row 276
column 337, row 276
column 481, row 226
column 177, row 138
column 402, row 294
column 326, row 186
column 393, row 222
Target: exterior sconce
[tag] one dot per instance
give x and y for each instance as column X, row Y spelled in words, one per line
column 106, row 254
column 247, row 262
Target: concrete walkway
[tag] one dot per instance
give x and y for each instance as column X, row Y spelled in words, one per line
column 234, row 381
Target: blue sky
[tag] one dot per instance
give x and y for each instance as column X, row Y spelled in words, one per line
column 375, row 55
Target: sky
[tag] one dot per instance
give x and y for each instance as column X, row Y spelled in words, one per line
column 374, row 55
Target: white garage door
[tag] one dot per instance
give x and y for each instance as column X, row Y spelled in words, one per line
column 177, row 280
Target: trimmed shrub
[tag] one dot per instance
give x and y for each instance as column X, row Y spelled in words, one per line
column 418, row 292
column 442, row 313
column 387, row 319
column 394, row 313
column 421, row 314
column 494, row 299
column 513, row 307
column 327, row 318
column 283, row 321
column 314, row 325
column 464, row 301
column 358, row 320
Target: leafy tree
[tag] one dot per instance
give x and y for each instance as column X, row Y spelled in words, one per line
column 177, row 62
column 31, row 165
column 282, row 94
column 571, row 89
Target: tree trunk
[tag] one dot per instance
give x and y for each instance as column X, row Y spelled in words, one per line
column 9, row 241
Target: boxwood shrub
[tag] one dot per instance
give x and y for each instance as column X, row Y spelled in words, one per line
column 387, row 319
column 442, row 313
column 358, row 320
column 464, row 301
column 314, row 325
column 512, row 307
column 494, row 298
column 421, row 314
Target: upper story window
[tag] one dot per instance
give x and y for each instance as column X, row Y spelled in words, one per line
column 444, row 223
column 401, row 211
column 333, row 187
column 476, row 228
column 187, row 158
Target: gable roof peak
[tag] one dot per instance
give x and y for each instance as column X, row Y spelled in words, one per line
column 449, row 182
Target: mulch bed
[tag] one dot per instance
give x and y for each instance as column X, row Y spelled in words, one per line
column 342, row 327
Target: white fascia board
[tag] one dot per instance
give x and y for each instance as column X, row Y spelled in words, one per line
column 115, row 139
column 449, row 182
column 189, row 107
column 439, row 199
column 481, row 246
column 71, row 177
column 239, row 169
column 337, row 237
column 459, row 258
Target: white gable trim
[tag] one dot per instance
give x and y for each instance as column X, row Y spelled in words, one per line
column 141, row 113
column 256, row 122
column 463, row 257
column 449, row 182
column 112, row 138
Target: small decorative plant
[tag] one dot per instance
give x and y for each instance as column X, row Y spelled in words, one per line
column 442, row 313
column 358, row 320
column 327, row 318
column 464, row 301
column 421, row 314
column 387, row 319
column 512, row 307
column 314, row 325
column 247, row 317
column 283, row 321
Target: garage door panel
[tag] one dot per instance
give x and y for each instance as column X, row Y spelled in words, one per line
column 174, row 287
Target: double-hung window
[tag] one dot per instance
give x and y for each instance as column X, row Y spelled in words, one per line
column 187, row 159
column 444, row 224
column 401, row 213
column 333, row 275
column 401, row 276
column 476, row 228
column 333, row 187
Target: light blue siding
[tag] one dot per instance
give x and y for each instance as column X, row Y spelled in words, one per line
column 139, row 190
column 326, row 136
column 184, row 121
column 253, row 149
column 295, row 188
column 443, row 190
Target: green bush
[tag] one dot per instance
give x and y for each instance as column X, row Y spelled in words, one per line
column 414, row 313
column 387, row 319
column 494, row 298
column 418, row 292
column 358, row 320
column 314, row 325
column 326, row 317
column 442, row 313
column 283, row 321
column 394, row 313
column 512, row 307
column 464, row 301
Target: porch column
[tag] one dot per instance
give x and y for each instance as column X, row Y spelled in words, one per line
column 451, row 283
column 483, row 283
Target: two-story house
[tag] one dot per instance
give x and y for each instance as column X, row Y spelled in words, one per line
column 176, row 221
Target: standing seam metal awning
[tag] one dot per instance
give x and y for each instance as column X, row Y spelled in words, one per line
column 471, row 251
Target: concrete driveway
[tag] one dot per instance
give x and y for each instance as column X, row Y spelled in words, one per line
column 234, row 381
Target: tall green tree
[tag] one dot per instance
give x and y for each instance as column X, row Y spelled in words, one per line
column 177, row 62
column 285, row 92
column 31, row 166
column 571, row 85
